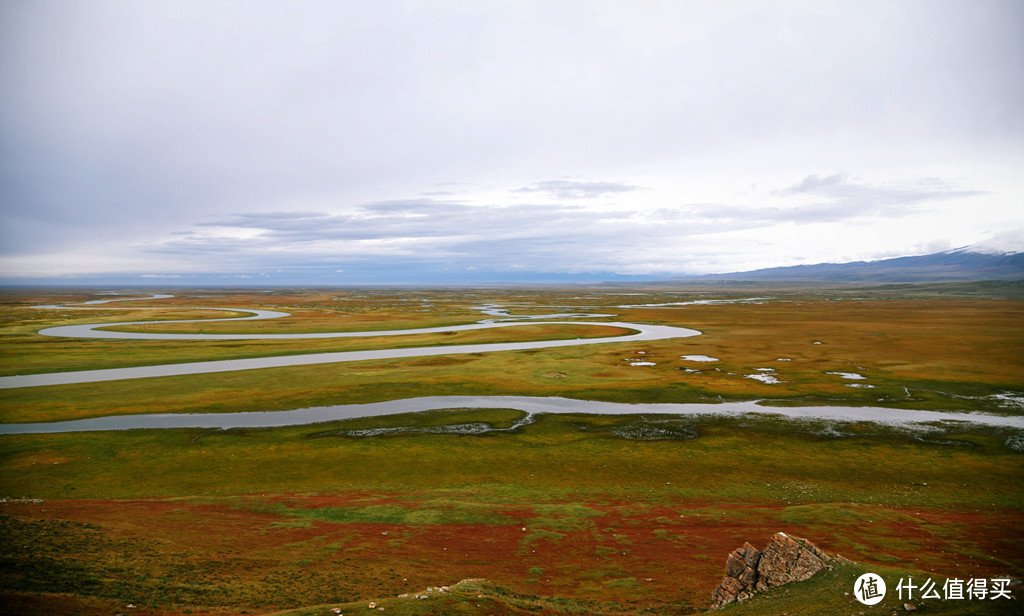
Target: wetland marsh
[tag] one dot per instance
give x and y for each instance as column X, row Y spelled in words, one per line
column 517, row 481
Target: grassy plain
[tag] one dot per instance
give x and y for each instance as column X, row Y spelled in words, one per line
column 570, row 513
column 925, row 353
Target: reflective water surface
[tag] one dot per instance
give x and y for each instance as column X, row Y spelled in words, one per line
column 524, row 403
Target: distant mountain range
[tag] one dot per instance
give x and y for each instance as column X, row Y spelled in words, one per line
column 960, row 265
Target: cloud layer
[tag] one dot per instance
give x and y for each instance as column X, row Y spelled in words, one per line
column 174, row 137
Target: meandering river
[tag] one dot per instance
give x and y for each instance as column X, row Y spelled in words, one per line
column 330, row 413
column 642, row 332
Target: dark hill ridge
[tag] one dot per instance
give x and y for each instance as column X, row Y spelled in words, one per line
column 961, row 265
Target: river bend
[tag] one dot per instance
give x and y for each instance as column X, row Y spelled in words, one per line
column 643, row 332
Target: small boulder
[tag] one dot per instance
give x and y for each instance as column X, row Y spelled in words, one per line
column 785, row 559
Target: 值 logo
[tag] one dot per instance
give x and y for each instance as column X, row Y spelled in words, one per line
column 869, row 589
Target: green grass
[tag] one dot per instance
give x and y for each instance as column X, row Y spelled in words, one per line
column 431, row 512
column 800, row 466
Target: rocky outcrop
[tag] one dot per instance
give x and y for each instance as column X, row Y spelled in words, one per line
column 785, row 559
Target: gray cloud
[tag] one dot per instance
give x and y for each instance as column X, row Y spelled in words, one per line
column 843, row 197
column 816, row 184
column 536, row 237
column 841, row 186
column 834, row 198
column 578, row 189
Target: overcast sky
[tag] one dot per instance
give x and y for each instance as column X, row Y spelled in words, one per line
column 361, row 141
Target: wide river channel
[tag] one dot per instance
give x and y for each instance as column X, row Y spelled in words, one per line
column 531, row 405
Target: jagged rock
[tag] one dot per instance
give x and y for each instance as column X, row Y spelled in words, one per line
column 785, row 559
column 727, row 592
column 734, row 567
